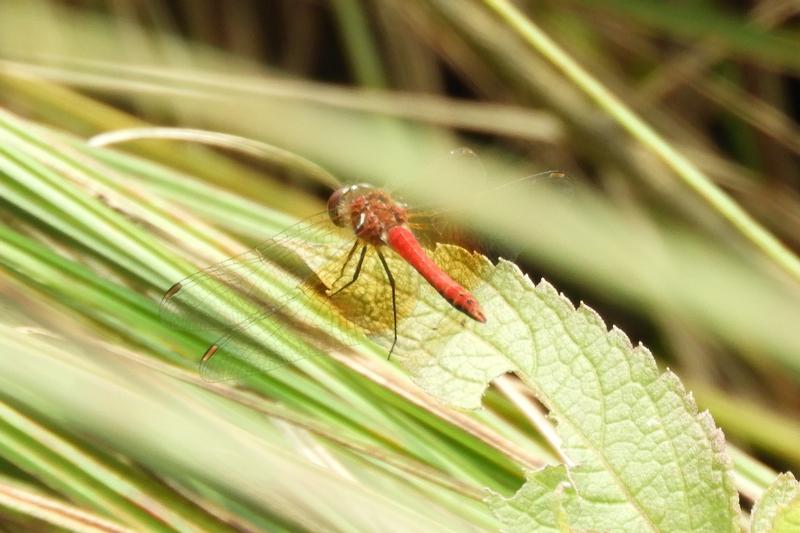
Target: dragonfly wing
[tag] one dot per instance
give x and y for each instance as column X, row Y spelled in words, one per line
column 268, row 341
column 440, row 226
column 368, row 302
column 433, row 319
column 234, row 291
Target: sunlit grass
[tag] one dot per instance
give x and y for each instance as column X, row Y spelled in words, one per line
column 101, row 408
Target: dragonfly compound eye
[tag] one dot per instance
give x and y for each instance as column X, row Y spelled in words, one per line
column 335, row 206
column 339, row 200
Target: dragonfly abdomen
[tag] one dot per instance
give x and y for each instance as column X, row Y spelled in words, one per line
column 402, row 240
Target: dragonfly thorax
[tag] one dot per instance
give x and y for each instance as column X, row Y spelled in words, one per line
column 370, row 212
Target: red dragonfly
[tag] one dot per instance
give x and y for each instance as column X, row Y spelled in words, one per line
column 236, row 298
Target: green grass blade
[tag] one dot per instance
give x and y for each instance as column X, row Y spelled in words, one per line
column 682, row 167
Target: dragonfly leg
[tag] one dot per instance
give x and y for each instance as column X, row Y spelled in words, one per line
column 394, row 299
column 346, row 262
column 356, row 273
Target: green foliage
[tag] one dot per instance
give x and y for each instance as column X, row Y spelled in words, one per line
column 685, row 239
column 634, row 438
column 779, row 508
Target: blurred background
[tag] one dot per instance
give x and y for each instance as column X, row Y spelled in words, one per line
column 379, row 91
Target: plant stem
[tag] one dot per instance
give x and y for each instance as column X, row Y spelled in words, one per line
column 626, row 118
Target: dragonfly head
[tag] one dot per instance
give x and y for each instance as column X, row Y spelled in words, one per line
column 341, row 198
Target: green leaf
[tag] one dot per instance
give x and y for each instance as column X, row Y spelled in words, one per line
column 638, row 445
column 778, row 509
column 645, row 459
column 544, row 491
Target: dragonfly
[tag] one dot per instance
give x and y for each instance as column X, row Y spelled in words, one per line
column 360, row 263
